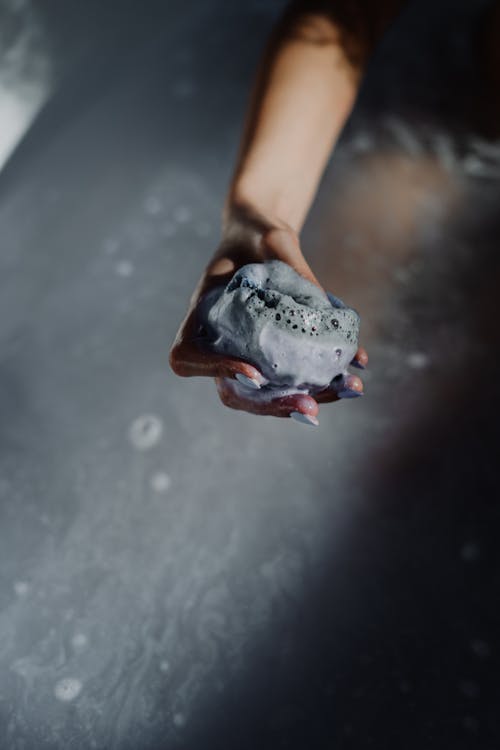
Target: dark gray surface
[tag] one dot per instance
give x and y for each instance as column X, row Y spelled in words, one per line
column 245, row 582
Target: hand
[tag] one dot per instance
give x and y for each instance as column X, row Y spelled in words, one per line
column 187, row 359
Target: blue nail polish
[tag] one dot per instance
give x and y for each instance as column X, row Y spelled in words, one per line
column 304, row 418
column 349, row 393
column 249, row 382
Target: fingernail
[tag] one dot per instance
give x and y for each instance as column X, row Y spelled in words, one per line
column 358, row 364
column 349, row 393
column 249, row 382
column 304, row 418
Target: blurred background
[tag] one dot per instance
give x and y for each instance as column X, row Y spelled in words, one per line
column 177, row 575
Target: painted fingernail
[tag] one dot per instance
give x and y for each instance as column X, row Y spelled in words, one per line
column 304, row 418
column 358, row 364
column 249, row 382
column 349, row 393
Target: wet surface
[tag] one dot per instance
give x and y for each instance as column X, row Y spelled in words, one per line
column 177, row 575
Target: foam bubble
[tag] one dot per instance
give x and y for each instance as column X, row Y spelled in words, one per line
column 124, row 268
column 160, row 482
column 179, row 720
column 417, row 360
column 21, row 588
column 79, row 640
column 68, row 689
column 145, row 431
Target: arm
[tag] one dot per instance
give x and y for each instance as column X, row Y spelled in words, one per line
column 304, row 93
column 305, row 90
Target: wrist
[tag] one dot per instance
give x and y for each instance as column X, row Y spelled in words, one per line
column 244, row 222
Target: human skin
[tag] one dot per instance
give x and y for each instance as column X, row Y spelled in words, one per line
column 305, row 90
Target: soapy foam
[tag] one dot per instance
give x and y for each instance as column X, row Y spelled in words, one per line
column 298, row 337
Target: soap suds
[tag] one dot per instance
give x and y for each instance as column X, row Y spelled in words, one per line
column 297, row 336
column 145, row 432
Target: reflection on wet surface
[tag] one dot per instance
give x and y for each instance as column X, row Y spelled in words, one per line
column 174, row 574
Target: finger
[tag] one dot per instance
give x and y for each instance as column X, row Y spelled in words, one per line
column 188, row 360
column 299, row 406
column 343, row 387
column 360, row 359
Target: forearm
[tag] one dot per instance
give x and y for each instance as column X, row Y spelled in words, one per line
column 305, row 91
column 299, row 107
